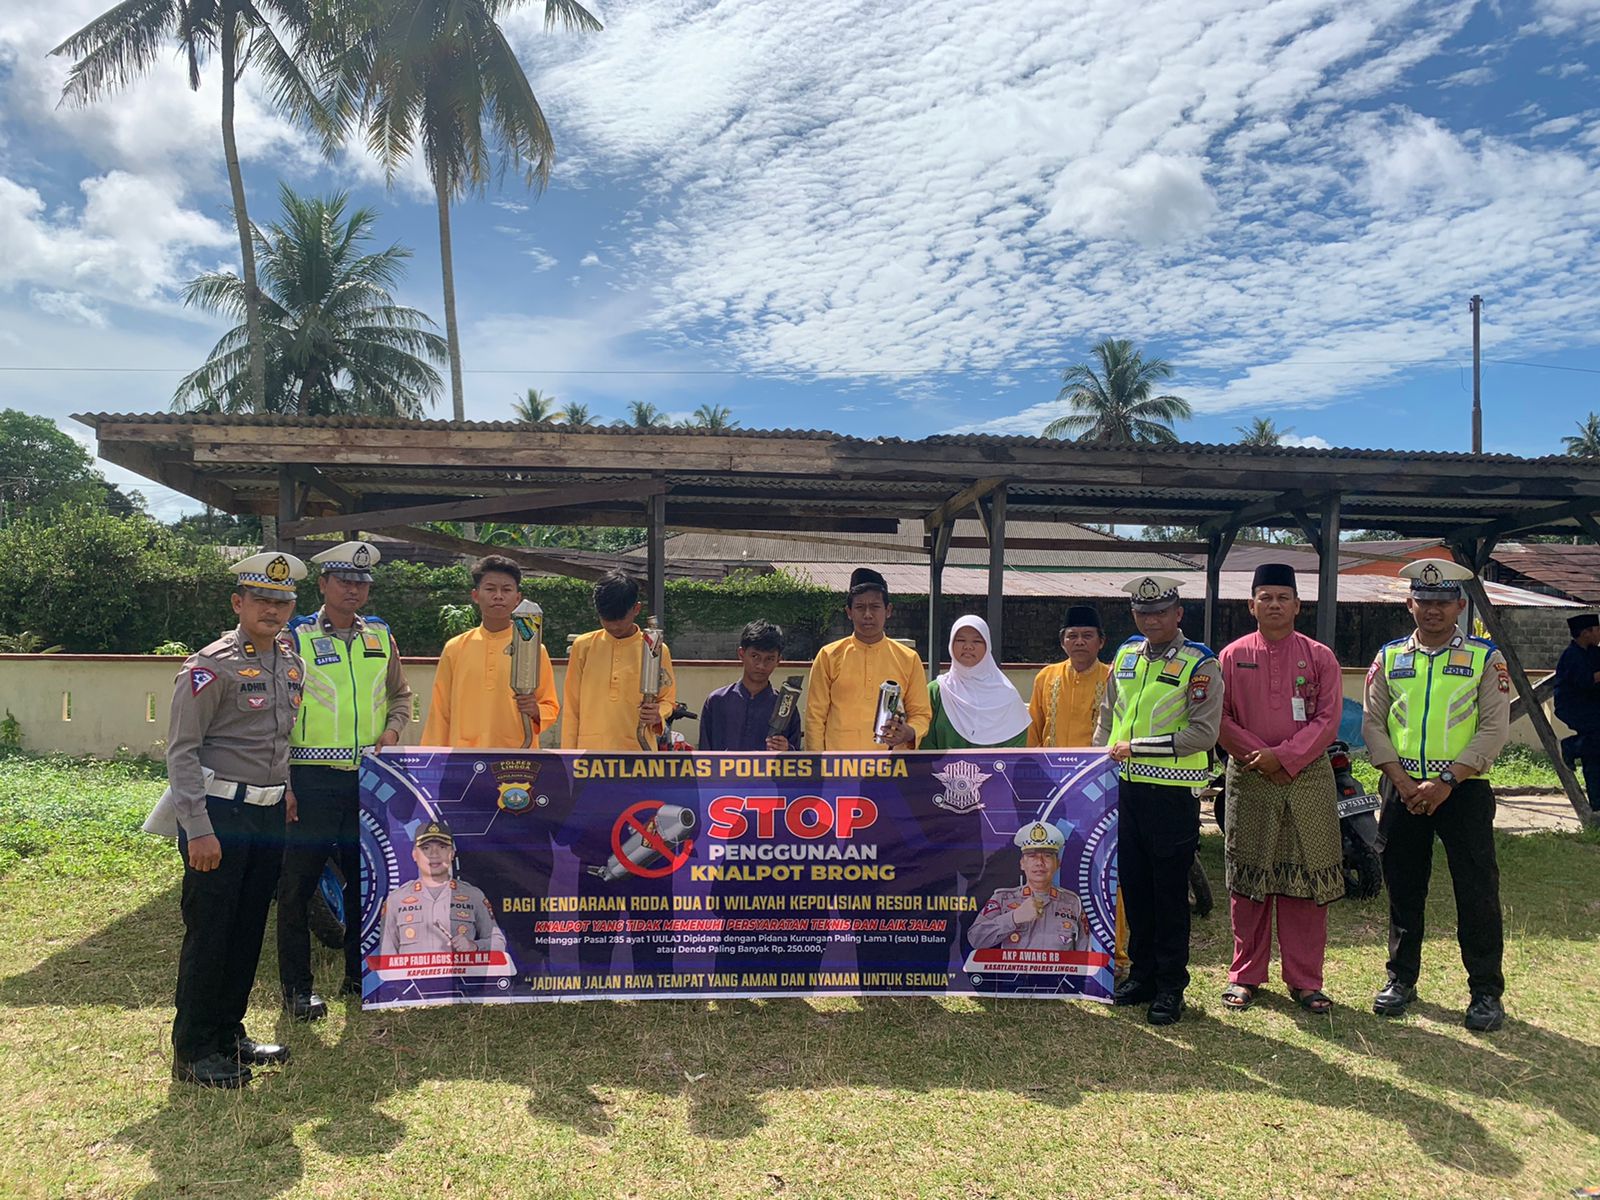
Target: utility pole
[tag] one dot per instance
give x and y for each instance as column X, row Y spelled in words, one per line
column 1476, row 305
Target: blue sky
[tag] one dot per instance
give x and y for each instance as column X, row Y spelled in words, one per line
column 907, row 219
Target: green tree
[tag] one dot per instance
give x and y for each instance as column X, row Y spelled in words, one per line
column 534, row 408
column 644, row 415
column 1115, row 404
column 124, row 41
column 1262, row 431
column 1586, row 443
column 713, row 416
column 337, row 343
column 574, row 413
column 43, row 470
column 441, row 75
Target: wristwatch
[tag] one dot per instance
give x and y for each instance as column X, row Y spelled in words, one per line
column 1447, row 776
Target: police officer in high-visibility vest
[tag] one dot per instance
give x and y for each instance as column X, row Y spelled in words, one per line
column 1160, row 715
column 1438, row 711
column 356, row 700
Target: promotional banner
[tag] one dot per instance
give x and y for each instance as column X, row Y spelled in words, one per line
column 497, row 876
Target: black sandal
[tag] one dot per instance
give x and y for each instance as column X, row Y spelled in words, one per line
column 1313, row 1000
column 1238, row 996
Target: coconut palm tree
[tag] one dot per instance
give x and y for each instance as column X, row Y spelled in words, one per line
column 335, row 340
column 1586, row 444
column 713, row 416
column 574, row 413
column 1262, row 431
column 644, row 415
column 1115, row 403
column 121, row 43
column 440, row 75
column 534, row 408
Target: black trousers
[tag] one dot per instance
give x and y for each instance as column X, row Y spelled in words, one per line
column 1465, row 824
column 329, row 824
column 224, row 918
column 1585, row 747
column 1158, row 830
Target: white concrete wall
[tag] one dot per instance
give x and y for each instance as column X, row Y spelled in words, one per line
column 120, row 702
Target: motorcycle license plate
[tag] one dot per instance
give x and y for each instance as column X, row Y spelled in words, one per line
column 1362, row 802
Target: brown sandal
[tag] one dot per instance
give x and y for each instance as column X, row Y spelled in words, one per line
column 1313, row 1000
column 1238, row 996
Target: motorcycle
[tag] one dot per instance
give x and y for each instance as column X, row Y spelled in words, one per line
column 1358, row 826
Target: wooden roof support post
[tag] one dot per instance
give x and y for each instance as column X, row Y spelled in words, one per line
column 993, row 510
column 1530, row 702
column 1217, row 549
column 1328, row 572
column 289, row 506
column 937, row 553
column 656, row 551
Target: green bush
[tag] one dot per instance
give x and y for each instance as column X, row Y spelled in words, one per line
column 103, row 584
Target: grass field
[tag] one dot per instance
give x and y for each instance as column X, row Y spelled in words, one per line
column 894, row 1097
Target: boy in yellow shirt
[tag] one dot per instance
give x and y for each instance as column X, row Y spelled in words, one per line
column 473, row 704
column 602, row 700
column 842, row 693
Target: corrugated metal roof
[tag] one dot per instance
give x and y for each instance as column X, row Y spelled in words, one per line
column 998, row 441
column 1107, row 585
column 1567, row 570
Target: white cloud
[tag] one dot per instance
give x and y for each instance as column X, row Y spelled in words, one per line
column 1555, row 125
column 1153, row 201
column 542, row 261
column 590, row 259
column 75, row 306
column 1470, row 77
column 1308, row 441
column 1566, row 17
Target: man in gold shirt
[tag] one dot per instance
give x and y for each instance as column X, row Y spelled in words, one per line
column 473, row 704
column 603, row 704
column 1066, row 701
column 1066, row 696
column 842, row 694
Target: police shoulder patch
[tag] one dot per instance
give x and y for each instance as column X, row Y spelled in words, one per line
column 200, row 678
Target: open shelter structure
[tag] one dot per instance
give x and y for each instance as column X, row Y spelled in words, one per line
column 343, row 475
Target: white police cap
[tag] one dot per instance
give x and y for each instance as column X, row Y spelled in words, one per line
column 272, row 573
column 1040, row 837
column 1152, row 593
column 349, row 560
column 1435, row 578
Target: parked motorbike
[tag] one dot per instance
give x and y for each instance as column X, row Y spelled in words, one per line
column 1358, row 825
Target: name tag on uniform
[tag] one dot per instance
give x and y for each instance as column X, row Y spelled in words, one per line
column 1129, row 665
column 1454, row 670
column 1298, row 707
column 1245, row 664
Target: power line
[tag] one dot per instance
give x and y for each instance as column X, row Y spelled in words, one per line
column 847, row 372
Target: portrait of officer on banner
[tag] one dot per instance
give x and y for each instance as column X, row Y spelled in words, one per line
column 1036, row 914
column 438, row 914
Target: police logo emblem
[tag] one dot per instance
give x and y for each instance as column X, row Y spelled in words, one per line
column 962, row 782
column 1149, row 589
column 199, row 677
column 516, row 797
column 1431, row 575
column 278, row 569
column 361, row 557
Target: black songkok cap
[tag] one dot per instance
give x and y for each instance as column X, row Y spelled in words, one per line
column 1082, row 616
column 1579, row 623
column 1274, row 575
column 865, row 579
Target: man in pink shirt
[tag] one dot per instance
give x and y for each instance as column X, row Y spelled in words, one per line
column 1282, row 699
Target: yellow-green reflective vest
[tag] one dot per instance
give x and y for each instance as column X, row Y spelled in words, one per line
column 1152, row 701
column 346, row 703
column 1433, row 701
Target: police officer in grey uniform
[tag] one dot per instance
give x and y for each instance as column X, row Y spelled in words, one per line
column 228, row 765
column 1036, row 915
column 436, row 914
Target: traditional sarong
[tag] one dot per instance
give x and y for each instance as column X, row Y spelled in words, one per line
column 1284, row 841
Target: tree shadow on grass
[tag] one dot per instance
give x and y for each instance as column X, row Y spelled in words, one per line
column 723, row 1060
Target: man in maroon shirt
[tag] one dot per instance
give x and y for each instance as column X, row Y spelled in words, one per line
column 1281, row 701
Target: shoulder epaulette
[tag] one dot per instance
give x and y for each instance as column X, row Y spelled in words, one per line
column 1400, row 641
column 1204, row 650
column 371, row 620
column 1483, row 642
column 300, row 622
column 1136, row 639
